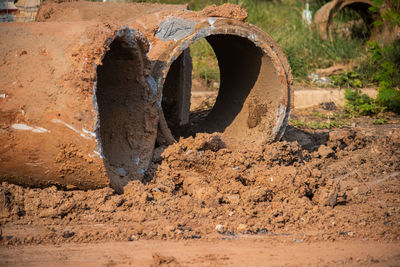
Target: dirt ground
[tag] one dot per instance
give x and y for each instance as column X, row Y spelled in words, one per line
column 317, row 197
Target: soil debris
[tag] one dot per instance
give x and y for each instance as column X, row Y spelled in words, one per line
column 226, row 10
column 350, row 183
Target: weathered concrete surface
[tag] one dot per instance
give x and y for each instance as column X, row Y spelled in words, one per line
column 253, row 106
column 66, row 117
column 254, row 117
column 255, row 95
column 305, row 97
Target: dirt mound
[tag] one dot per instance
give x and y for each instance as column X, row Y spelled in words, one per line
column 226, row 10
column 347, row 187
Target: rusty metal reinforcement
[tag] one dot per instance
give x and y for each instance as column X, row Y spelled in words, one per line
column 86, row 106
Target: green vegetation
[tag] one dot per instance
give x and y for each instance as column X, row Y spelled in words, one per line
column 380, row 121
column 387, row 75
column 376, row 65
column 305, row 50
column 205, row 63
column 347, row 79
column 319, row 125
column 357, row 103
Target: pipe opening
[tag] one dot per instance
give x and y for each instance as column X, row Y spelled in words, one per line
column 352, row 21
column 121, row 96
column 248, row 96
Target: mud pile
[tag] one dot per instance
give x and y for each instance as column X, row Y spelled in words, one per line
column 346, row 186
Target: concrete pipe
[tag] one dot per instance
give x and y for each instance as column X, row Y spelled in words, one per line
column 323, row 18
column 254, row 98
column 76, row 108
column 75, row 125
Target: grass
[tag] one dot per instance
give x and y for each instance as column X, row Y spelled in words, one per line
column 315, row 125
column 303, row 47
column 205, row 63
column 305, row 50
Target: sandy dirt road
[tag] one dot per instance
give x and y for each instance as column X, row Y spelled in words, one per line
column 264, row 251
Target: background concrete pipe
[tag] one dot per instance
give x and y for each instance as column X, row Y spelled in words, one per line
column 76, row 108
column 323, row 18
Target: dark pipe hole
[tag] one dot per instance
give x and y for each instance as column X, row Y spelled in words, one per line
column 354, row 21
column 239, row 62
column 120, row 93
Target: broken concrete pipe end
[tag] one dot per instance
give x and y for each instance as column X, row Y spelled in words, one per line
column 75, row 121
column 91, row 117
column 255, row 95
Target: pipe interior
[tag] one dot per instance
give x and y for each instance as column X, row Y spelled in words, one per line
column 362, row 9
column 120, row 96
column 249, row 88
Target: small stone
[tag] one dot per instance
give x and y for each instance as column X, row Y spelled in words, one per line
column 132, row 238
column 242, row 228
column 170, row 228
column 328, row 105
column 68, row 234
column 219, row 228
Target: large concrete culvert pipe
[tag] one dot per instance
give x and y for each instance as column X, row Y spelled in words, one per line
column 254, row 99
column 79, row 125
column 75, row 109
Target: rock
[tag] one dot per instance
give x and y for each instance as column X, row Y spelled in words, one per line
column 328, row 105
column 170, row 228
column 209, row 142
column 329, row 198
column 219, row 228
column 242, row 228
column 160, row 260
column 132, row 238
column 68, row 234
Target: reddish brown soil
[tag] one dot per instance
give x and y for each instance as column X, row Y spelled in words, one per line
column 341, row 185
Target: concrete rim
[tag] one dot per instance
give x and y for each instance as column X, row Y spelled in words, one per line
column 222, row 26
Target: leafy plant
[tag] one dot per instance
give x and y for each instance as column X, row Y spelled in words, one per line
column 347, row 78
column 387, row 75
column 380, row 121
column 361, row 103
column 319, row 125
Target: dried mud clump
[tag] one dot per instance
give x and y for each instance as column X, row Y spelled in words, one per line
column 348, row 187
column 226, row 10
